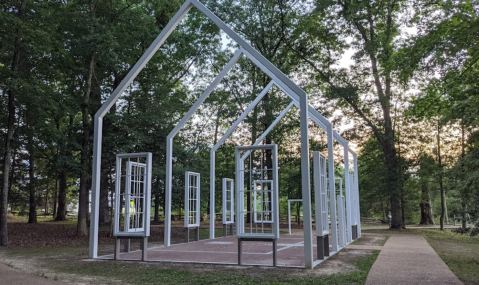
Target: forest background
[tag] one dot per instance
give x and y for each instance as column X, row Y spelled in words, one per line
column 398, row 78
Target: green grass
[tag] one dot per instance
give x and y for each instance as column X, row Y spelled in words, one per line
column 40, row 219
column 149, row 273
column 459, row 252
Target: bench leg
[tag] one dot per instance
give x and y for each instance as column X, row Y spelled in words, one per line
column 239, row 251
column 126, row 245
column 275, row 261
column 144, row 248
column 117, row 248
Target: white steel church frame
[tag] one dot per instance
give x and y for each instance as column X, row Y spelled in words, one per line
column 299, row 98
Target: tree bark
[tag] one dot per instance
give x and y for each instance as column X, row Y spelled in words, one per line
column 104, row 213
column 55, row 198
column 6, row 169
column 82, row 229
column 62, row 197
column 32, row 212
column 46, row 198
column 426, row 211
column 156, row 216
column 9, row 138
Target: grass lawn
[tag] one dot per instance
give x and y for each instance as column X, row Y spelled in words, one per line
column 459, row 252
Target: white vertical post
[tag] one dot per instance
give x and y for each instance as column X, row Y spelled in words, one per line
column 95, row 189
column 239, row 185
column 147, row 203
column 218, row 144
column 212, row 193
column 169, row 174
column 349, row 199
column 305, row 179
column 275, row 194
column 332, row 190
column 356, row 186
column 169, row 146
column 289, row 217
column 341, row 220
column 317, row 194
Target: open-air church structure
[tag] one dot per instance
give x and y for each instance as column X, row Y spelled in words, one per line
column 257, row 238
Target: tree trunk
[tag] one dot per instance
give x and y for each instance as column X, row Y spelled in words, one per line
column 156, row 216
column 55, row 198
column 298, row 214
column 32, row 212
column 254, row 134
column 62, row 197
column 104, row 213
column 46, row 198
column 394, row 182
column 6, row 169
column 426, row 211
column 12, row 177
column 85, row 154
column 267, row 121
column 9, row 138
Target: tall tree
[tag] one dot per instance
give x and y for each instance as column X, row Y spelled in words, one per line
column 366, row 92
column 18, row 12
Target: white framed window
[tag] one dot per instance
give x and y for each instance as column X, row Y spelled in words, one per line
column 321, row 197
column 192, row 199
column 132, row 194
column 257, row 192
column 228, row 201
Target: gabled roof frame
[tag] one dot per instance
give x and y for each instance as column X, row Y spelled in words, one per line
column 277, row 76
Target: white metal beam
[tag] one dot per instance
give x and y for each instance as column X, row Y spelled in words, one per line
column 271, row 127
column 98, row 121
column 278, row 75
column 332, row 190
column 286, row 83
column 169, row 142
column 215, row 148
column 349, row 204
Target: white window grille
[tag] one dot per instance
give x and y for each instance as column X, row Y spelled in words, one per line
column 341, row 214
column 132, row 194
column 192, row 199
column 257, row 195
column 263, row 201
column 354, row 202
column 228, row 201
column 320, row 194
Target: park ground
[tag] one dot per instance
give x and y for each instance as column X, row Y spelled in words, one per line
column 50, row 250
